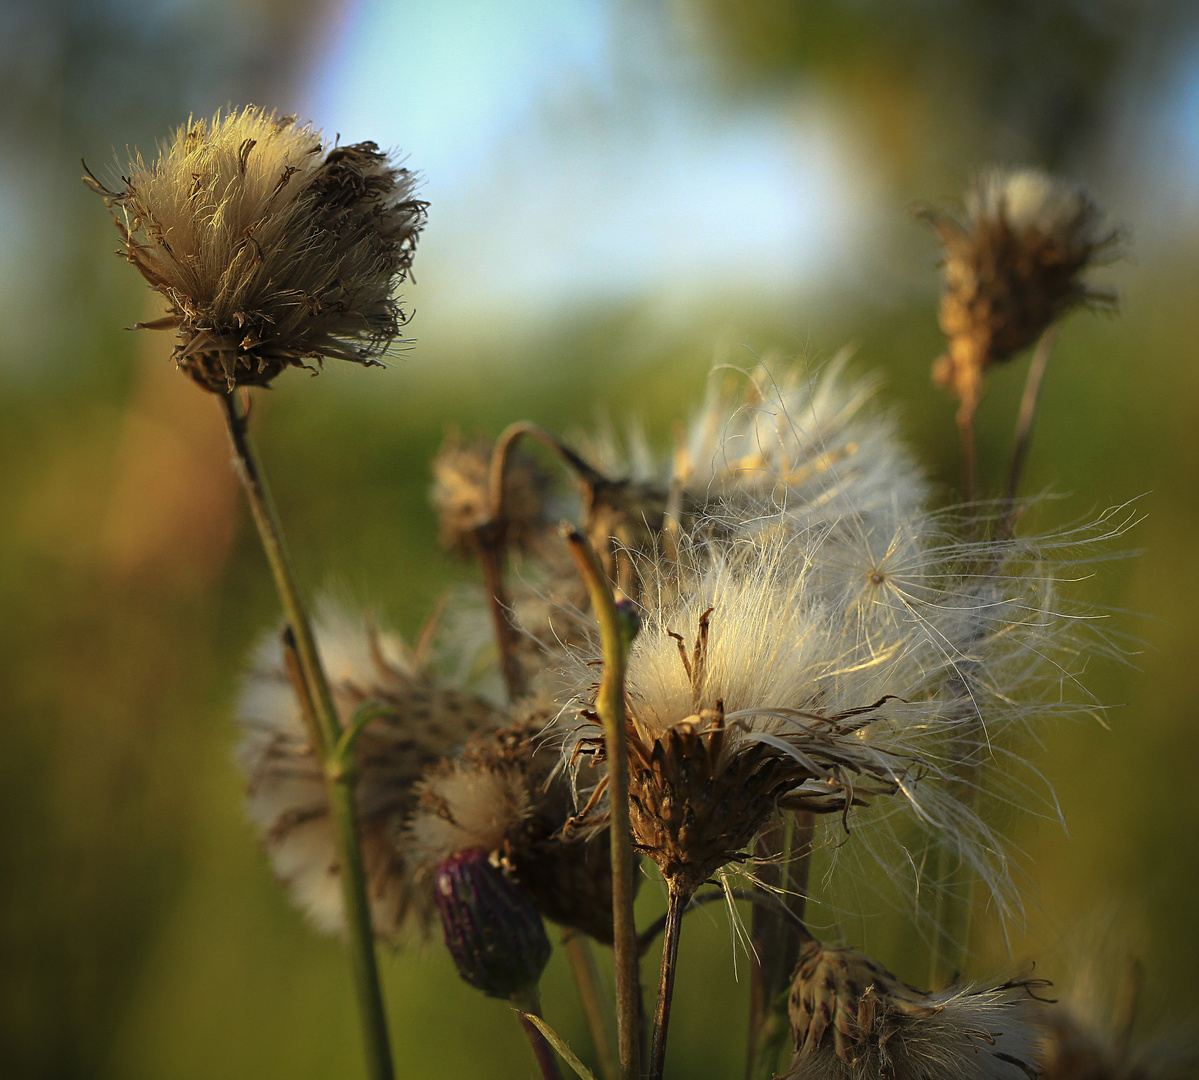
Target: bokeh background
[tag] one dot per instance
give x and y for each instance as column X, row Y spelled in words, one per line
column 623, row 192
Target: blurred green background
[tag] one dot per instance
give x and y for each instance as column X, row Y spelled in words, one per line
column 624, row 192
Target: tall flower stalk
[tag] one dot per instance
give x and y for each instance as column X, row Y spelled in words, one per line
column 334, row 746
column 272, row 249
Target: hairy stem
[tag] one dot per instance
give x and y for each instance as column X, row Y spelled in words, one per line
column 529, row 1001
column 616, row 631
column 676, row 903
column 601, row 1022
column 316, row 702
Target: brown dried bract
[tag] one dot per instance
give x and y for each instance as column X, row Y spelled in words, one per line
column 419, row 721
column 701, row 789
column 852, row 1019
column 1012, row 268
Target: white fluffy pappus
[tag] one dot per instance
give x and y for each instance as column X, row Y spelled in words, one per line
column 1030, row 199
column 776, row 699
column 422, row 720
column 879, row 651
column 811, row 445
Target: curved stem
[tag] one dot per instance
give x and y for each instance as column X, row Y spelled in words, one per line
column 503, row 448
column 616, row 632
column 316, row 703
column 491, row 543
column 676, row 903
column 490, row 549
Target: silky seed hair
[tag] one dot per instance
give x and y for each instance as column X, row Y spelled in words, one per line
column 766, row 453
column 918, row 655
column 270, row 247
column 743, row 690
column 812, row 445
column 422, row 719
column 851, row 1019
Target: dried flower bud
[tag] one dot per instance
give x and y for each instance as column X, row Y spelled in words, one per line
column 1012, row 268
column 461, row 495
column 505, row 794
column 422, row 720
column 269, row 247
column 851, row 1019
column 493, row 931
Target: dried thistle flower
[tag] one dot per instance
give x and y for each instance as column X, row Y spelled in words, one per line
column 506, row 794
column 422, row 720
column 269, row 247
column 872, row 654
column 461, row 495
column 493, row 932
column 1013, row 267
column 766, row 704
column 851, row 1019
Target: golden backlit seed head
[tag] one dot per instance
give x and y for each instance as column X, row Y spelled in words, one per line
column 422, row 720
column 270, row 247
column 851, row 1019
column 1013, row 266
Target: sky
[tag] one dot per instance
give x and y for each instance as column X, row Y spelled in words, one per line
column 581, row 153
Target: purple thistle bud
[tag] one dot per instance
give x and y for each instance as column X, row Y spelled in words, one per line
column 493, row 931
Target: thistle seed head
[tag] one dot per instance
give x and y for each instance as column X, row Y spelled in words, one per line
column 421, row 721
column 270, row 247
column 506, row 794
column 1013, row 266
column 851, row 1019
column 756, row 701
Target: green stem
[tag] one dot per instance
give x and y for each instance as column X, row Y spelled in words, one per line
column 529, row 1001
column 317, row 701
column 616, row 632
column 600, row 1020
column 951, row 917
